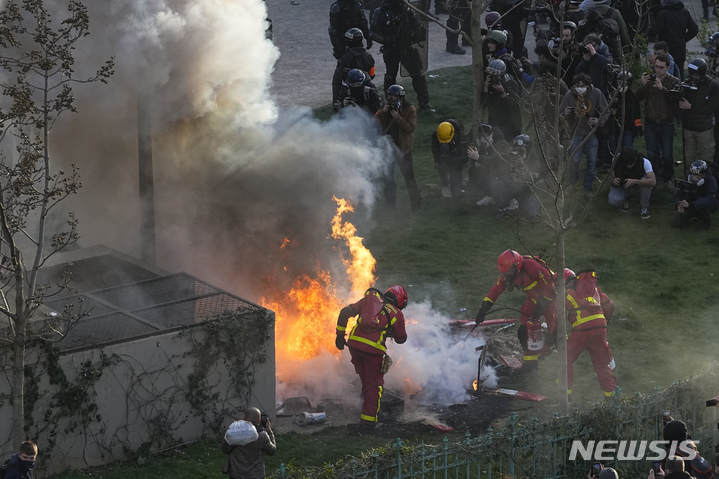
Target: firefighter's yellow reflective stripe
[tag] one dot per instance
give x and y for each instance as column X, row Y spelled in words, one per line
column 531, row 358
column 569, row 391
column 379, row 399
column 342, row 328
column 571, row 300
column 580, row 319
column 610, row 394
column 486, row 298
column 368, row 418
column 587, row 319
column 392, row 321
column 369, row 341
column 530, row 286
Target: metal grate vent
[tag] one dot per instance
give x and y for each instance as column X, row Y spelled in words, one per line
column 144, row 308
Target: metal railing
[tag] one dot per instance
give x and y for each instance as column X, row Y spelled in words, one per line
column 534, row 449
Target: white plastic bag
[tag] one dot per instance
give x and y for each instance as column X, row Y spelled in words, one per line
column 241, row 433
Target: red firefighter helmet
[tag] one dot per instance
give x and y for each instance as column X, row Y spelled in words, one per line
column 569, row 275
column 397, row 295
column 509, row 262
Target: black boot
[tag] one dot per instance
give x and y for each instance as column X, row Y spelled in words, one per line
column 419, row 83
column 455, row 49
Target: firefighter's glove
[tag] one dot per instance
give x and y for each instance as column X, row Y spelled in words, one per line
column 483, row 310
column 386, row 364
column 340, row 342
column 546, row 350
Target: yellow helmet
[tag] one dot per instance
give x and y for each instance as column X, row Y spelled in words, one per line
column 445, row 132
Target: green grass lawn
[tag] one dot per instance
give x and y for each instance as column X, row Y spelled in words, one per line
column 663, row 281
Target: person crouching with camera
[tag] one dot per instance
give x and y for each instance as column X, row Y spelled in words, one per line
column 696, row 197
column 244, row 460
column 632, row 174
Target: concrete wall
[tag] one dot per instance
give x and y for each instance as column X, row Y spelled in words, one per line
column 141, row 398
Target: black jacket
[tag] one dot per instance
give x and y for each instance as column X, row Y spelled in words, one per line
column 674, row 25
column 356, row 57
column 704, row 100
column 454, row 153
column 345, row 14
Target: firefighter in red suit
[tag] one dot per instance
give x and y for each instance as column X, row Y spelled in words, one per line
column 532, row 276
column 587, row 310
column 380, row 317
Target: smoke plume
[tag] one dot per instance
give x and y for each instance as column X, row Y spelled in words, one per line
column 243, row 192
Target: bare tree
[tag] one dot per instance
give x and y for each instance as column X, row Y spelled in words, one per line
column 37, row 61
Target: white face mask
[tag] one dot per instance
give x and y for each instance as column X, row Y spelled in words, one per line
column 581, row 90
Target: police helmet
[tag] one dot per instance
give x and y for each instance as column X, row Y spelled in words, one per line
column 498, row 37
column 569, row 25
column 698, row 66
column 522, row 140
column 496, row 67
column 493, row 20
column 355, row 78
column 714, row 39
column 354, row 36
column 396, row 90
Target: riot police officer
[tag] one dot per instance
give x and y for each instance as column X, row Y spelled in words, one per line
column 346, row 14
column 389, row 24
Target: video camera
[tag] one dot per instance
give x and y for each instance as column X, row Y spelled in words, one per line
column 679, row 92
column 263, row 419
column 685, row 186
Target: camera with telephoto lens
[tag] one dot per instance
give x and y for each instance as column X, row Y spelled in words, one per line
column 263, row 419
column 685, row 186
column 583, row 49
column 391, row 107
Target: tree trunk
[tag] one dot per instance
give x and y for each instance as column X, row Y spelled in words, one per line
column 478, row 7
column 561, row 319
column 18, row 382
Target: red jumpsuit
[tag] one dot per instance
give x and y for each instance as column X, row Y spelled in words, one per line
column 537, row 282
column 587, row 310
column 377, row 321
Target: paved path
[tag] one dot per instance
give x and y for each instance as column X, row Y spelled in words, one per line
column 300, row 32
column 303, row 74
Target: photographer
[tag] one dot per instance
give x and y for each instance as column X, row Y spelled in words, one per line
column 700, row 99
column 359, row 91
column 583, row 109
column 696, row 197
column 449, row 148
column 595, row 60
column 245, row 462
column 500, row 95
column 658, row 91
column 676, row 433
column 632, row 175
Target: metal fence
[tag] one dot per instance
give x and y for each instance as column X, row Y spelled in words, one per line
column 534, row 449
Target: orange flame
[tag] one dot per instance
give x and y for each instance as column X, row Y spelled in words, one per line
column 306, row 315
column 360, row 266
column 474, row 384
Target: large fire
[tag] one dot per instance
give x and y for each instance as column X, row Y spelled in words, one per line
column 307, row 314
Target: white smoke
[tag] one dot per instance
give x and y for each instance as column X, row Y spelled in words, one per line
column 434, row 366
column 234, row 176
